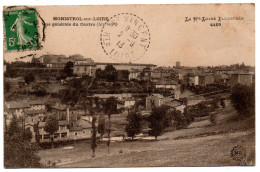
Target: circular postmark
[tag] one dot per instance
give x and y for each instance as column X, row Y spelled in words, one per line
column 238, row 153
column 125, row 37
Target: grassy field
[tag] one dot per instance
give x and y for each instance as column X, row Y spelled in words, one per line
column 198, row 145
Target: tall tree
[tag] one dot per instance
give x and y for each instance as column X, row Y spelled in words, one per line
column 51, row 127
column 68, row 69
column 94, row 138
column 111, row 73
column 37, row 132
column 110, row 107
column 101, row 125
column 19, row 151
column 157, row 121
column 133, row 126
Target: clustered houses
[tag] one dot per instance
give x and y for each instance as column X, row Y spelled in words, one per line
column 189, row 76
column 157, row 100
column 72, row 125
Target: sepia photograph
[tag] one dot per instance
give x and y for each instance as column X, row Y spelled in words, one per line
column 152, row 85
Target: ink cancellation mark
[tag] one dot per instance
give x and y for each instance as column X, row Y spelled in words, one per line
column 125, row 37
column 21, row 31
column 238, row 153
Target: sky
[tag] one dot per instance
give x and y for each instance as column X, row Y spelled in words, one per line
column 172, row 39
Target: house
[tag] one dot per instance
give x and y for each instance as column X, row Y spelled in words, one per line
column 85, row 67
column 134, row 74
column 225, row 71
column 241, row 78
column 156, row 75
column 65, row 112
column 34, row 116
column 126, row 103
column 61, row 134
column 193, row 80
column 205, row 79
column 167, row 84
column 175, row 105
column 193, row 100
column 117, row 96
column 222, row 79
column 154, row 100
column 157, row 100
column 57, row 65
column 14, row 108
column 65, row 131
column 125, row 66
column 83, row 131
column 161, row 73
column 37, row 105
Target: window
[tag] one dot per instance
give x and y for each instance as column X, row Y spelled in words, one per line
column 63, row 127
column 63, row 134
column 46, row 136
column 76, row 134
column 40, row 136
column 56, row 135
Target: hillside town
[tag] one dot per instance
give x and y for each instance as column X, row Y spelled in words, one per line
column 80, row 93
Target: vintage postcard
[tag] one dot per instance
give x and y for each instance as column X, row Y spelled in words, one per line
column 129, row 85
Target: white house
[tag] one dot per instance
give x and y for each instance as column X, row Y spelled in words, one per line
column 166, row 84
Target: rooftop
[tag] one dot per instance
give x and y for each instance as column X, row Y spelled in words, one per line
column 79, row 128
column 128, row 64
column 32, row 112
column 64, row 122
column 17, row 105
column 85, row 123
column 60, row 107
column 174, row 103
column 167, row 82
column 157, row 95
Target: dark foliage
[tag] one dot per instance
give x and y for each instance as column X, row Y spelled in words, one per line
column 29, row 78
column 39, row 90
column 243, row 100
column 94, row 134
column 101, row 125
column 157, row 121
column 133, row 126
column 110, row 106
column 108, row 74
column 7, row 86
column 68, row 69
column 52, row 126
column 19, row 152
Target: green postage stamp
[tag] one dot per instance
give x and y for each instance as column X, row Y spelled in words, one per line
column 21, row 31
